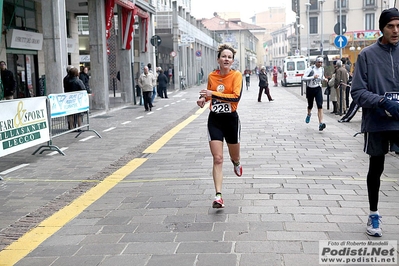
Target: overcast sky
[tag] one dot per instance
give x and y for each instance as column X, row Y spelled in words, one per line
column 247, row 8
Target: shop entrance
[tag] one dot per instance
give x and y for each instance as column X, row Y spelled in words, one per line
column 24, row 68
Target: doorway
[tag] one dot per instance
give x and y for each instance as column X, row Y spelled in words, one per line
column 24, row 67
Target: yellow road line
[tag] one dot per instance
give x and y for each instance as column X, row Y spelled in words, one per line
column 32, row 239
column 153, row 148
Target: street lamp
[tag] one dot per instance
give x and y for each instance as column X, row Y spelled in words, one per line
column 308, row 24
column 322, row 26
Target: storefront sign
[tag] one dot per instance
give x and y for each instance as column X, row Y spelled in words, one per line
column 84, row 58
column 71, row 43
column 63, row 104
column 23, row 124
column 24, row 40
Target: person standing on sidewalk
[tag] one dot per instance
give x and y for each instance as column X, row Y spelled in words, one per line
column 377, row 73
column 73, row 83
column 314, row 77
column 147, row 82
column 275, row 74
column 162, row 84
column 154, row 89
column 9, row 83
column 224, row 91
column 264, row 85
column 341, row 77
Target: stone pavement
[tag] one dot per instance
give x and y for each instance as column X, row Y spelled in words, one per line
column 141, row 194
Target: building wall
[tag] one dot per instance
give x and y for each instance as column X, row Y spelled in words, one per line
column 272, row 19
column 355, row 21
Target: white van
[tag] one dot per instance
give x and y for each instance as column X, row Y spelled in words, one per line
column 293, row 69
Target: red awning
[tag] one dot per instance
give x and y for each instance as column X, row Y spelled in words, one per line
column 129, row 10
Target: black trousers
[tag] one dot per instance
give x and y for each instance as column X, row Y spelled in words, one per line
column 267, row 92
column 147, row 99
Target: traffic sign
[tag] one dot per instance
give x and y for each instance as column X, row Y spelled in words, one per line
column 198, row 53
column 337, row 28
column 340, row 41
column 173, row 54
column 155, row 40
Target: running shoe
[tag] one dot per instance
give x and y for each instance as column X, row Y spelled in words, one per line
column 218, row 202
column 373, row 225
column 307, row 120
column 322, row 126
column 237, row 168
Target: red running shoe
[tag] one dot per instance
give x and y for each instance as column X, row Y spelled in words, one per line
column 237, row 168
column 218, row 202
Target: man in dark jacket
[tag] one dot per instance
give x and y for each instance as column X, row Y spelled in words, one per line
column 73, row 83
column 264, row 85
column 8, row 80
column 375, row 88
column 84, row 77
column 162, row 83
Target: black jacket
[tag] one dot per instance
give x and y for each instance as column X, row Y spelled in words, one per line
column 263, row 81
column 9, row 83
column 162, row 80
column 73, row 84
column 85, row 79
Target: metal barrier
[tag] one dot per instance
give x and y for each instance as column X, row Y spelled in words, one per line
column 68, row 112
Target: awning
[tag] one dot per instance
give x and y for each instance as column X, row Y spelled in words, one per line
column 333, row 57
column 129, row 10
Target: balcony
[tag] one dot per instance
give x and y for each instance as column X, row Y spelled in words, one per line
column 344, row 6
column 369, row 5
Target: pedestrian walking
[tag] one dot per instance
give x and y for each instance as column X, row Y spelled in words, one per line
column 374, row 88
column 314, row 76
column 264, row 85
column 147, row 82
column 224, row 92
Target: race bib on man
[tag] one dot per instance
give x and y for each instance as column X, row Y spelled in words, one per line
column 221, row 108
column 392, row 96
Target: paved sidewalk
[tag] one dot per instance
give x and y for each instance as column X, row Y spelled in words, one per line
column 149, row 194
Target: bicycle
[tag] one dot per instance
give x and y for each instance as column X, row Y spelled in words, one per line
column 183, row 83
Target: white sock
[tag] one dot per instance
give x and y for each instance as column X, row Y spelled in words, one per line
column 374, row 213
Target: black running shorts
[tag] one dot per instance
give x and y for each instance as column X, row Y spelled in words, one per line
column 379, row 143
column 224, row 126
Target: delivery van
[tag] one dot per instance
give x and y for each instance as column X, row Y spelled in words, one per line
column 293, row 69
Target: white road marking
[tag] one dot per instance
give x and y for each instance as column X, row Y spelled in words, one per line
column 14, row 169
column 89, row 137
column 56, row 152
column 109, row 129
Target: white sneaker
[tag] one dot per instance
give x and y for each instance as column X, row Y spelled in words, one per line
column 374, row 225
column 237, row 168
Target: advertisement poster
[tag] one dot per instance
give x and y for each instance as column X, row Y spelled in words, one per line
column 23, row 124
column 63, row 104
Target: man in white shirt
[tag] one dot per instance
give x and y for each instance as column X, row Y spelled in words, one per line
column 314, row 77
